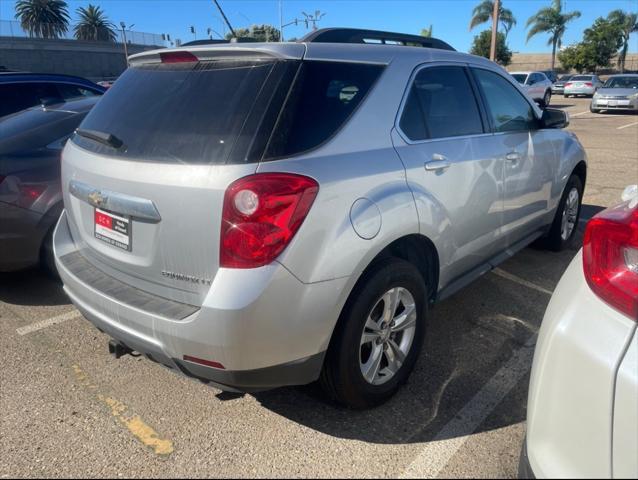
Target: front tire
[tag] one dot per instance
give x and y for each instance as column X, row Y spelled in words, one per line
column 547, row 98
column 379, row 336
column 563, row 230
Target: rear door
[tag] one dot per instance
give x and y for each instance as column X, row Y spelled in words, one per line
column 145, row 174
column 528, row 154
column 445, row 148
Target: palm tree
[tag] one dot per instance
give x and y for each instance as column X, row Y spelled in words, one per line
column 483, row 12
column 426, row 32
column 43, row 18
column 94, row 25
column 551, row 20
column 628, row 23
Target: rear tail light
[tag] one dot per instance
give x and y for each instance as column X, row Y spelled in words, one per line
column 589, row 84
column 13, row 191
column 178, row 57
column 261, row 215
column 610, row 257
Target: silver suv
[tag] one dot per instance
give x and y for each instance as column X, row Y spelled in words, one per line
column 261, row 215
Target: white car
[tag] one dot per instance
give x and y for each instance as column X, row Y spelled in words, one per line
column 582, row 416
column 586, row 85
column 536, row 85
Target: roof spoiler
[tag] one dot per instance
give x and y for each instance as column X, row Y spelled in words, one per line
column 355, row 35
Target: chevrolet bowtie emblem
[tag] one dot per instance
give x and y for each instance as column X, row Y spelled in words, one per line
column 96, row 198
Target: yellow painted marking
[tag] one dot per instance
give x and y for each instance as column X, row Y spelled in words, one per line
column 134, row 423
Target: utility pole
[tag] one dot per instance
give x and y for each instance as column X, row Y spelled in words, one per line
column 225, row 18
column 281, row 22
column 494, row 29
column 123, row 25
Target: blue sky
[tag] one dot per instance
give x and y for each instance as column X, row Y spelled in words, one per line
column 450, row 18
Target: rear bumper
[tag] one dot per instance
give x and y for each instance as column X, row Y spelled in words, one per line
column 263, row 325
column 574, row 382
column 579, row 91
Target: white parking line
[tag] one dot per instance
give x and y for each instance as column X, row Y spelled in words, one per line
column 578, row 114
column 520, row 281
column 627, row 126
column 437, row 453
column 34, row 327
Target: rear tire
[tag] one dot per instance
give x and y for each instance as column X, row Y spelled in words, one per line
column 355, row 346
column 563, row 230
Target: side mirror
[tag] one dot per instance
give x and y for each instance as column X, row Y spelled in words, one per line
column 554, row 118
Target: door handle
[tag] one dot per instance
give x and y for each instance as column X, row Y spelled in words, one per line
column 439, row 162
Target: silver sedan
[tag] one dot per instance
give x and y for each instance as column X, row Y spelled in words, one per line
column 620, row 92
column 582, row 85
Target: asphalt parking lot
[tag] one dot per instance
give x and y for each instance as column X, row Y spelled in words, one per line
column 69, row 409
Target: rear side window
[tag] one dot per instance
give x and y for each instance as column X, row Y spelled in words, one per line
column 192, row 113
column 507, row 107
column 324, row 96
column 441, row 104
column 68, row 91
column 20, row 96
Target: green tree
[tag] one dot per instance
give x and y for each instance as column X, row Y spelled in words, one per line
column 482, row 43
column 94, row 25
column 600, row 43
column 483, row 12
column 551, row 20
column 261, row 33
column 628, row 24
column 427, row 32
column 43, row 18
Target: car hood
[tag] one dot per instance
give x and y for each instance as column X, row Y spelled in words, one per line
column 617, row 91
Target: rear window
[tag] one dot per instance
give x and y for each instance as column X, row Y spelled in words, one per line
column 520, row 77
column 582, row 78
column 226, row 110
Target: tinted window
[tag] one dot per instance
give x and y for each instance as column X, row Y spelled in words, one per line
column 582, row 78
column 20, row 96
column 185, row 112
column 323, row 97
column 68, row 91
column 441, row 104
column 507, row 107
column 520, row 77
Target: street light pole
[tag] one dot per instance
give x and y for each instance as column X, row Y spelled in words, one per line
column 494, row 30
column 281, row 22
column 123, row 25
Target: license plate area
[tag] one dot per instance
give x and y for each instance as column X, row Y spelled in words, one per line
column 112, row 229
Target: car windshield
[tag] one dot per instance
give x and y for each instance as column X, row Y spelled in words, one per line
column 520, row 77
column 622, row 82
column 582, row 78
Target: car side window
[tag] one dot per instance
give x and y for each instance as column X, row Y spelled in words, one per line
column 68, row 91
column 507, row 107
column 15, row 98
column 440, row 104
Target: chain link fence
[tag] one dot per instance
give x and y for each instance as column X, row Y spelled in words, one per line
column 13, row 29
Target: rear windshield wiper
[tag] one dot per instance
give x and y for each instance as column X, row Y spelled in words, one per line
column 107, row 139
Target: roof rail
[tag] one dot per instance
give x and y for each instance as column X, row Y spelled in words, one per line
column 217, row 41
column 355, row 35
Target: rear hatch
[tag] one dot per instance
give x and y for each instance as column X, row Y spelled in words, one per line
column 145, row 174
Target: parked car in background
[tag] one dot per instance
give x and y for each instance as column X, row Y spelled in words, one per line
column 620, row 92
column 582, row 413
column 586, row 85
column 20, row 91
column 558, row 87
column 30, row 195
column 536, row 85
column 551, row 74
column 289, row 212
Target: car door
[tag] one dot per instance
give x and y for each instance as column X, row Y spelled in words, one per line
column 528, row 154
column 456, row 180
